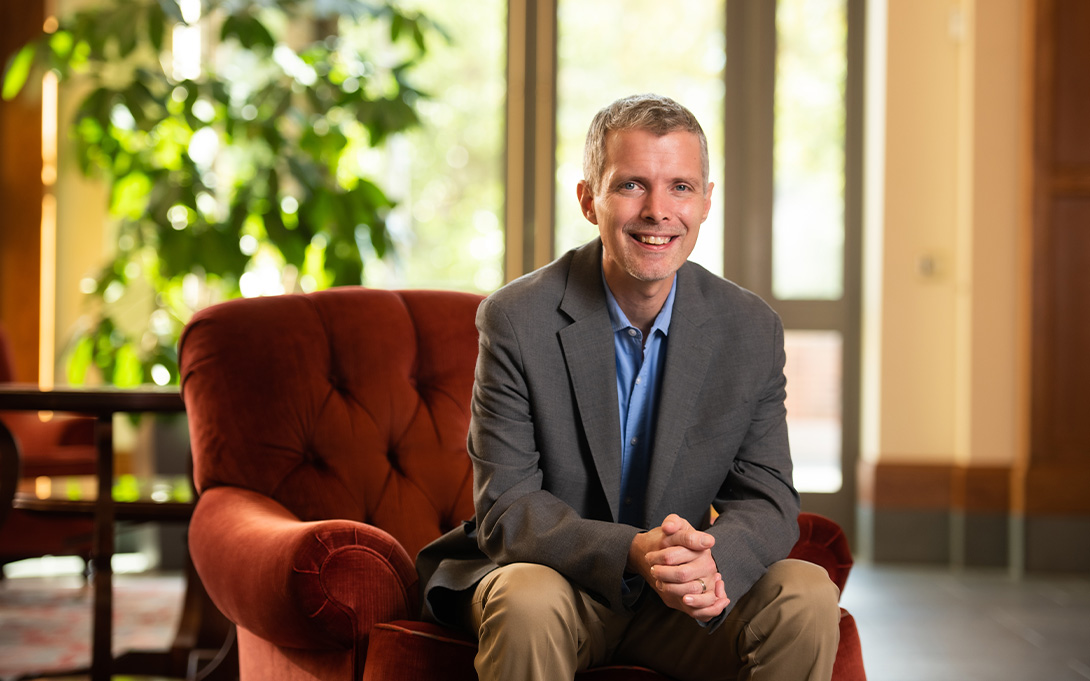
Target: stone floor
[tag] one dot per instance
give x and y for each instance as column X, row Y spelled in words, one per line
column 934, row 624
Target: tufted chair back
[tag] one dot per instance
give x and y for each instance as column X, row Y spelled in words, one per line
column 350, row 403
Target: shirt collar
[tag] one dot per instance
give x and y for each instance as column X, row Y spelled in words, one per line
column 619, row 320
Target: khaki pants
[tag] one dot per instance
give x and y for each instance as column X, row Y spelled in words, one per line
column 534, row 624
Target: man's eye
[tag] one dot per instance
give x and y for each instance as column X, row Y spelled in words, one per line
column 628, row 186
column 682, row 187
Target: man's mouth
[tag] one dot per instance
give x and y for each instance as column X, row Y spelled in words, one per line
column 652, row 239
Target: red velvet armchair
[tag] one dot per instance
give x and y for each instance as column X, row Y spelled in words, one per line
column 328, row 435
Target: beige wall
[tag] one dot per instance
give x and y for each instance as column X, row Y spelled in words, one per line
column 944, row 281
column 83, row 245
column 86, row 236
column 84, row 242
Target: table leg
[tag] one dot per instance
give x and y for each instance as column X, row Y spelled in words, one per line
column 10, row 471
column 102, row 555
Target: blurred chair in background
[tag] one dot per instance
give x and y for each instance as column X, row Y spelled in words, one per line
column 31, row 447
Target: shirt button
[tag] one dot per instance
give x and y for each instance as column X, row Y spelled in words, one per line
column 632, row 332
column 634, row 440
column 638, row 381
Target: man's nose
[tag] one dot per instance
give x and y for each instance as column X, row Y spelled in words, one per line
column 655, row 208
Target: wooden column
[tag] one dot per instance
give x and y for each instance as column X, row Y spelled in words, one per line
column 531, row 134
column 1052, row 490
column 20, row 195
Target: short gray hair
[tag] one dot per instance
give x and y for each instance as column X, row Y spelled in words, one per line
column 654, row 113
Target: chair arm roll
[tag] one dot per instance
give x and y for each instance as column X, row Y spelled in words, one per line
column 298, row 584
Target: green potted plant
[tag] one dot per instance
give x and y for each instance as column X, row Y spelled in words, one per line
column 241, row 165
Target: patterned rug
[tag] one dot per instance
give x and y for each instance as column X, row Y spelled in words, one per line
column 45, row 622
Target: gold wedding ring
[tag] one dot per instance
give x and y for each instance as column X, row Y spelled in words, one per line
column 703, row 586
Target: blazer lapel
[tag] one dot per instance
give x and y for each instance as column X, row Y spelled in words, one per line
column 587, row 344
column 688, row 355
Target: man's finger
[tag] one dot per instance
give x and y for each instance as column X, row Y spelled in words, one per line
column 694, row 540
column 713, row 610
column 674, row 524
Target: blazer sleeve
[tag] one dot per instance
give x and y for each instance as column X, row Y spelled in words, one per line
column 757, row 505
column 518, row 520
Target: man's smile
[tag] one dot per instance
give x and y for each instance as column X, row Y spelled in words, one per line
column 654, row 239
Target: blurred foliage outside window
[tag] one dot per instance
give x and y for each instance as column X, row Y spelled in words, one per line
column 808, row 154
column 237, row 162
column 447, row 174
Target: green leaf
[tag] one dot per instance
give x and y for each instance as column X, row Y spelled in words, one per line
column 217, row 252
column 343, row 262
column 128, row 370
column 248, row 30
column 397, row 23
column 129, row 195
column 17, row 71
column 156, row 28
column 380, row 238
column 292, row 244
column 171, row 9
column 61, row 43
column 79, row 362
column 177, row 251
column 126, row 37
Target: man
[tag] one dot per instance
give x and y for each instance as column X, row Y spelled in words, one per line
column 622, row 392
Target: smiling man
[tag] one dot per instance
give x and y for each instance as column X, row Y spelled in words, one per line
column 621, row 394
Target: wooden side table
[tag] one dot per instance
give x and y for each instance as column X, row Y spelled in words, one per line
column 102, row 404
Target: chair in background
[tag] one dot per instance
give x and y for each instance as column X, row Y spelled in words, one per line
column 62, row 445
column 328, row 433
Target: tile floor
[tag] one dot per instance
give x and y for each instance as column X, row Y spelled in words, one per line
column 934, row 624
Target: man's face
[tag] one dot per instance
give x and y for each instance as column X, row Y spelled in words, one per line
column 650, row 204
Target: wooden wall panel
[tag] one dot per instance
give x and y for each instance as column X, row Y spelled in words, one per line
column 20, row 196
column 1070, row 24
column 1069, row 265
column 1059, row 460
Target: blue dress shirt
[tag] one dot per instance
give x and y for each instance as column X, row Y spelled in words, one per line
column 639, row 375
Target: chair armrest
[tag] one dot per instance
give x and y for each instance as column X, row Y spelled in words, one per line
column 298, row 584
column 823, row 542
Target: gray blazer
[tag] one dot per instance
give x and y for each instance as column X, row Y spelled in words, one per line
column 544, row 436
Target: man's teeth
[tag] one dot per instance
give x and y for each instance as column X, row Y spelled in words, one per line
column 653, row 240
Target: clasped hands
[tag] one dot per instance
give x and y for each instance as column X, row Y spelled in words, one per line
column 676, row 560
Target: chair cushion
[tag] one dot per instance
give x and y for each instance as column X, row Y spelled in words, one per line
column 421, row 651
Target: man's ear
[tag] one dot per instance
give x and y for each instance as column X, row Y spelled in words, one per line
column 586, row 201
